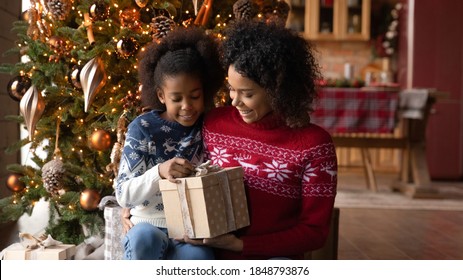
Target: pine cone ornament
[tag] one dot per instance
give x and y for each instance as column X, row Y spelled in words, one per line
column 59, row 9
column 243, row 9
column 160, row 26
column 52, row 176
column 277, row 13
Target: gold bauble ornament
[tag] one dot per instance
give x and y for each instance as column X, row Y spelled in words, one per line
column 141, row 3
column 100, row 140
column 89, row 199
column 18, row 86
column 127, row 47
column 99, row 10
column 74, row 77
column 14, row 183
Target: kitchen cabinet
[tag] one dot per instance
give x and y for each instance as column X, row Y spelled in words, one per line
column 331, row 19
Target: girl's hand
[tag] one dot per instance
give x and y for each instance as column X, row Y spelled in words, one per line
column 226, row 241
column 125, row 218
column 175, row 168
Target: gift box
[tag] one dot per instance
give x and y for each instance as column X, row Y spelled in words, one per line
column 55, row 252
column 114, row 233
column 205, row 206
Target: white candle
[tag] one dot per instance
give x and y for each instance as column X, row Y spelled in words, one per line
column 348, row 71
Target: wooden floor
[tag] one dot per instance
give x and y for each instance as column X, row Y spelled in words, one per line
column 379, row 234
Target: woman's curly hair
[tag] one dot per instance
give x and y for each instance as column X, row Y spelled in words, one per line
column 183, row 50
column 278, row 60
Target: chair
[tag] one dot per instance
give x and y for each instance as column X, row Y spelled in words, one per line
column 330, row 250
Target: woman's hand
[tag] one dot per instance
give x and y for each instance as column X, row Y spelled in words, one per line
column 125, row 218
column 175, row 168
column 226, row 241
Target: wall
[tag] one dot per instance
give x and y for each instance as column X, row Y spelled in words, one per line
column 9, row 12
column 438, row 63
column 333, row 55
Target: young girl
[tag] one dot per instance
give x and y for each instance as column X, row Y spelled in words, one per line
column 289, row 164
column 179, row 77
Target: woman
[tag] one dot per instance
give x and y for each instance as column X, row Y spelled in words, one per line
column 290, row 164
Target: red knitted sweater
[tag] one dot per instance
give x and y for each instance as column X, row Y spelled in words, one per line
column 290, row 180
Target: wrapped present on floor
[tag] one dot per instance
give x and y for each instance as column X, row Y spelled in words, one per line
column 32, row 248
column 114, row 230
column 114, row 233
column 207, row 205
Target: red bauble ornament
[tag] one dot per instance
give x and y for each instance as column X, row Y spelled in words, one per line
column 89, row 199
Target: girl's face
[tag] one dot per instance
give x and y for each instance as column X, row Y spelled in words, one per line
column 249, row 98
column 183, row 96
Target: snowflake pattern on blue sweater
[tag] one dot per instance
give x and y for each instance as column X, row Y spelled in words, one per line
column 151, row 140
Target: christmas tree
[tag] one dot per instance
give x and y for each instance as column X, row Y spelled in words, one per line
column 77, row 88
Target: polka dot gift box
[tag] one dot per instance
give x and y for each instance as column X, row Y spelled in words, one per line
column 205, row 206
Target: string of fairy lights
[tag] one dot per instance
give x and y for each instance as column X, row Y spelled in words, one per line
column 132, row 27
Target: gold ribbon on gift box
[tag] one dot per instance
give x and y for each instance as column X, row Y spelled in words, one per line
column 31, row 242
column 205, row 169
column 35, row 248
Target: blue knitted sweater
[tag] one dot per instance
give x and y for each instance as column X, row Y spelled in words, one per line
column 151, row 140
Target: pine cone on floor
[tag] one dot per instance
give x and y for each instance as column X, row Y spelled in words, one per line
column 59, row 9
column 160, row 26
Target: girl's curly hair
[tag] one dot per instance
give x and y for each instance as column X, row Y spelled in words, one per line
column 183, row 50
column 278, row 60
